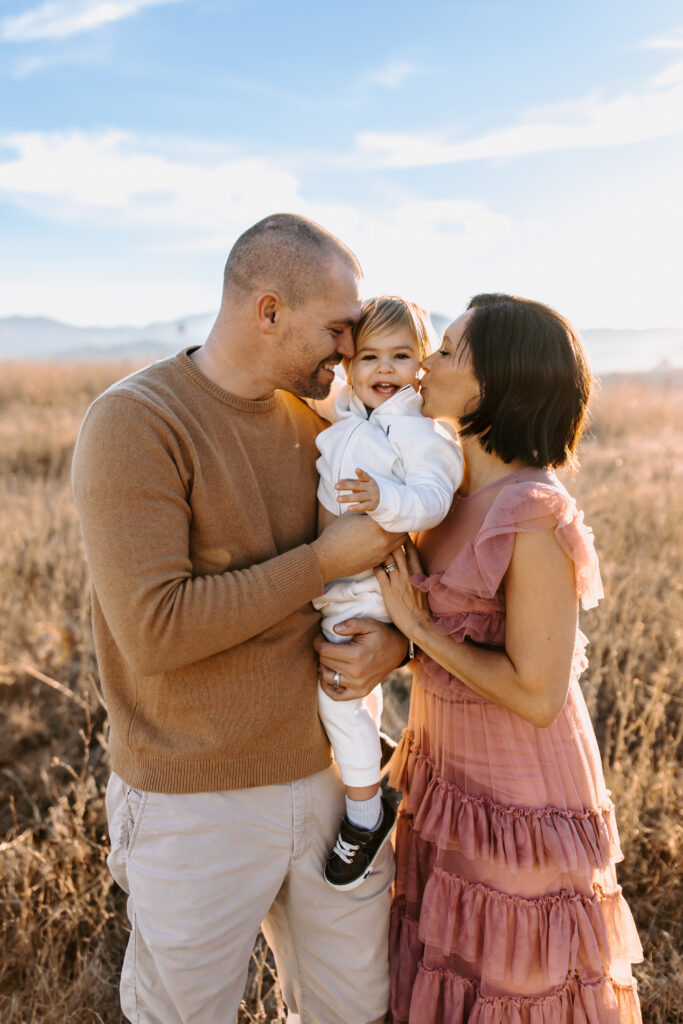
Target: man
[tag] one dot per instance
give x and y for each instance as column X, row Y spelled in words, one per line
column 195, row 483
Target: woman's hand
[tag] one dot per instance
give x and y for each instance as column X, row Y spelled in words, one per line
column 407, row 606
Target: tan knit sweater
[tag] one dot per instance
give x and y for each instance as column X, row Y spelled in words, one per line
column 197, row 509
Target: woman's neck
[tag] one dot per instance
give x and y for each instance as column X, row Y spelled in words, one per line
column 483, row 468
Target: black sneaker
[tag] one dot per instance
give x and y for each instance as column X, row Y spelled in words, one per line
column 350, row 862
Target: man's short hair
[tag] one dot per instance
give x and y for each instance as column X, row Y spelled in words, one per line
column 533, row 377
column 284, row 252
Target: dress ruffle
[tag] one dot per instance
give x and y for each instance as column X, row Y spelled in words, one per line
column 514, row 837
column 477, row 571
column 446, row 996
column 514, row 938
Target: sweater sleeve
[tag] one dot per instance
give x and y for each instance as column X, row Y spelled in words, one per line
column 433, row 470
column 134, row 506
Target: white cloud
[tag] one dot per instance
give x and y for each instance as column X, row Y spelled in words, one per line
column 188, row 201
column 81, row 56
column 168, row 213
column 392, row 76
column 670, row 42
column 59, row 19
column 113, row 177
column 590, row 122
column 82, row 176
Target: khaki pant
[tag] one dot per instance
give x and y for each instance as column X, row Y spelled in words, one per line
column 204, row 870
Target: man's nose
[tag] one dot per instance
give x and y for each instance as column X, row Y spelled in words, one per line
column 345, row 345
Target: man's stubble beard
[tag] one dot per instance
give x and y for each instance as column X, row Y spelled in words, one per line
column 306, row 385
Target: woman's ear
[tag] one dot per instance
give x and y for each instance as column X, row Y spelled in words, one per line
column 269, row 311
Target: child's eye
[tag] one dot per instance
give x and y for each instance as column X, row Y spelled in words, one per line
column 402, row 355
column 367, row 357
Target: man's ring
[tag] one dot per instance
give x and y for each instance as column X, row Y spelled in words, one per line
column 336, row 680
column 390, row 566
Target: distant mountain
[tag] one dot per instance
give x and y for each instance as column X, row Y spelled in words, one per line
column 40, row 338
column 24, row 337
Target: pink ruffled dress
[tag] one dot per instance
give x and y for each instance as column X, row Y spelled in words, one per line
column 507, row 908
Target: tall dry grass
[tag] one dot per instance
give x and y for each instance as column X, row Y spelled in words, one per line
column 62, row 921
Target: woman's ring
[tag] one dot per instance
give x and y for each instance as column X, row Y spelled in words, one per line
column 336, row 680
column 390, row 566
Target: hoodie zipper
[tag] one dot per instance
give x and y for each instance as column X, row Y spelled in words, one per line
column 360, row 423
column 340, row 458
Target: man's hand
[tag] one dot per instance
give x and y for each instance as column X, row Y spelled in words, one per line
column 375, row 650
column 364, row 491
column 351, row 544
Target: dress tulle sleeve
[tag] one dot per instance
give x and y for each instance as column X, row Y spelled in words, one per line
column 520, row 508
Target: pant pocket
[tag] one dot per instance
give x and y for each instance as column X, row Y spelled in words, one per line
column 136, row 801
column 125, row 807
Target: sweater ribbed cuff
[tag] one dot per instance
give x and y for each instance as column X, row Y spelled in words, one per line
column 297, row 577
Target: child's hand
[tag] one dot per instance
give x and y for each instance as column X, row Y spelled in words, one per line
column 364, row 491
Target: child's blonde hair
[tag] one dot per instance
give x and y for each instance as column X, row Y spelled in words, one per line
column 385, row 312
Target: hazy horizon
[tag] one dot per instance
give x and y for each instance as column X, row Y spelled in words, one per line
column 609, row 350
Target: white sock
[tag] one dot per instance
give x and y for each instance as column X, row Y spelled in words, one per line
column 365, row 814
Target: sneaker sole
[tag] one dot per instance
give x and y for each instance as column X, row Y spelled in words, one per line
column 359, row 881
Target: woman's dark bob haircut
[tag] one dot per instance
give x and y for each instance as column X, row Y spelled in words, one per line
column 533, row 377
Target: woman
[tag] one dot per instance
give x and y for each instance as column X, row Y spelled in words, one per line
column 507, row 907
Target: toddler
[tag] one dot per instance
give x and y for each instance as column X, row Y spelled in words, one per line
column 383, row 457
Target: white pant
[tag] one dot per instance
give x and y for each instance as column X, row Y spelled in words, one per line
column 352, row 726
column 350, row 597
column 203, row 870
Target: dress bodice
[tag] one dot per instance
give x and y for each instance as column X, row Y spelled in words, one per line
column 467, row 556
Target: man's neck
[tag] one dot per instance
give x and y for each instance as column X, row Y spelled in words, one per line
column 230, row 375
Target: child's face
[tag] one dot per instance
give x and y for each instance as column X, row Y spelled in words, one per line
column 383, row 364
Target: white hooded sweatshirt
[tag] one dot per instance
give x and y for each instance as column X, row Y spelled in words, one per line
column 417, row 464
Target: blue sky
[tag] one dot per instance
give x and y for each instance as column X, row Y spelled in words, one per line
column 457, row 146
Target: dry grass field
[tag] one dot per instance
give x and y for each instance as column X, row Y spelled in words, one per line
column 62, row 922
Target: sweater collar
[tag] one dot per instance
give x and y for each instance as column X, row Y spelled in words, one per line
column 253, row 405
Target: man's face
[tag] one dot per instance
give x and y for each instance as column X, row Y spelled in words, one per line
column 318, row 333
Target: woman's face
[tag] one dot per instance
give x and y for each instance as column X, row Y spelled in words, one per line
column 449, row 388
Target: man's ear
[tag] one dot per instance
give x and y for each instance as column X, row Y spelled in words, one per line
column 269, row 312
